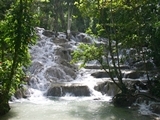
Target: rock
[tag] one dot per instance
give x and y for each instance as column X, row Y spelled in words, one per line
column 63, row 53
column 48, row 33
column 74, row 33
column 36, row 67
column 66, row 45
column 61, row 89
column 100, row 75
column 67, row 64
column 60, row 73
column 61, row 35
column 82, row 37
column 134, row 75
column 144, row 66
column 92, row 67
column 107, row 87
column 59, row 41
column 155, row 108
column 123, row 100
column 54, row 73
column 71, row 72
column 22, row 92
column 124, row 67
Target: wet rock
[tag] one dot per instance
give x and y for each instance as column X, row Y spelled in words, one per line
column 123, row 67
column 92, row 67
column 82, row 37
column 144, row 66
column 59, row 41
column 100, row 75
column 155, row 108
column 36, row 67
column 74, row 33
column 134, row 74
column 139, row 85
column 67, row 64
column 123, row 100
column 71, row 72
column 61, row 35
column 48, row 33
column 22, row 92
column 66, row 45
column 107, row 87
column 54, row 73
column 59, row 74
column 61, row 89
column 63, row 53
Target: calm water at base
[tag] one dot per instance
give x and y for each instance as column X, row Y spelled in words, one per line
column 74, row 109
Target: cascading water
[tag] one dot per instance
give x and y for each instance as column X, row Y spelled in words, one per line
column 58, row 90
column 50, row 66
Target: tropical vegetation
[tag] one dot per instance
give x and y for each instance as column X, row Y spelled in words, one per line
column 125, row 23
column 16, row 34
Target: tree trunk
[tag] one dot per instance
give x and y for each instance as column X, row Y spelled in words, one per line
column 4, row 105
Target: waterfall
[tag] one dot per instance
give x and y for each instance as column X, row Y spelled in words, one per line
column 52, row 75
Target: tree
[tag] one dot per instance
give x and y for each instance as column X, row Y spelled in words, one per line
column 124, row 22
column 4, row 5
column 107, row 26
column 17, row 33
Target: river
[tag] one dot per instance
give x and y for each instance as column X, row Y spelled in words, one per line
column 70, row 108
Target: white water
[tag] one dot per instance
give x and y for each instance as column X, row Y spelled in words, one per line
column 44, row 58
column 40, row 107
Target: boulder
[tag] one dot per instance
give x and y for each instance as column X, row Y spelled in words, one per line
column 55, row 73
column 22, row 92
column 48, row 33
column 144, row 66
column 36, row 67
column 134, row 74
column 67, row 64
column 82, row 37
column 123, row 100
column 61, row 89
column 155, row 108
column 61, row 35
column 100, row 74
column 63, row 53
column 107, row 87
column 93, row 67
column 59, row 41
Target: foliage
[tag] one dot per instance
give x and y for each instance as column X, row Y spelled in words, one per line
column 129, row 23
column 4, row 5
column 53, row 15
column 16, row 34
column 86, row 53
column 105, row 26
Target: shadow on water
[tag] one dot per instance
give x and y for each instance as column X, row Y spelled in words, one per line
column 106, row 111
column 11, row 114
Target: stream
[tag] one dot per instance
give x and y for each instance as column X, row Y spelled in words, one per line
column 70, row 109
column 57, row 90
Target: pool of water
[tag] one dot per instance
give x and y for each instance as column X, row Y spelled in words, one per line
column 70, row 109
